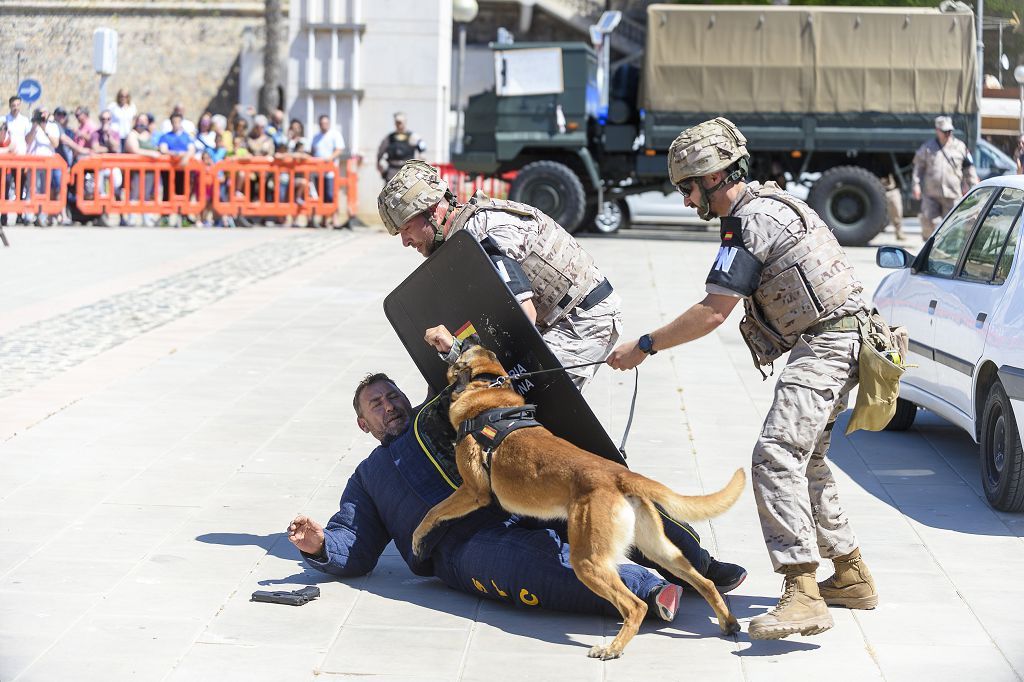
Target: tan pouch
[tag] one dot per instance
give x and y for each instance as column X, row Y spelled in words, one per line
column 881, row 364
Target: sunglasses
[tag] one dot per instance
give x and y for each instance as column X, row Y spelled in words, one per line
column 685, row 187
column 105, row 120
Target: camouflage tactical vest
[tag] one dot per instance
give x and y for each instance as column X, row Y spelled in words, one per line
column 799, row 286
column 559, row 270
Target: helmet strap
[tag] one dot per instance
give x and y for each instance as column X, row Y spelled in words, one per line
column 439, row 228
column 704, row 210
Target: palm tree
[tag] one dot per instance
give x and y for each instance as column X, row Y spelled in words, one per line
column 270, row 93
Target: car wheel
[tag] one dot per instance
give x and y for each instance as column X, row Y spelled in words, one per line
column 613, row 216
column 1002, row 459
column 553, row 188
column 903, row 418
column 851, row 200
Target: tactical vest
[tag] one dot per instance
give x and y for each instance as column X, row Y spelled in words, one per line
column 561, row 273
column 799, row 287
column 399, row 149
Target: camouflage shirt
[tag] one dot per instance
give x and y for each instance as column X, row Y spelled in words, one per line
column 944, row 171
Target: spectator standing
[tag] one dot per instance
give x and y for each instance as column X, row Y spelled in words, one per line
column 259, row 143
column 398, row 147
column 124, row 113
column 18, row 127
column 67, row 149
column 86, row 127
column 179, row 143
column 141, row 141
column 186, row 125
column 43, row 139
column 943, row 172
column 105, row 140
column 297, row 136
column 276, row 128
column 327, row 144
column 240, row 132
column 205, row 135
column 220, row 127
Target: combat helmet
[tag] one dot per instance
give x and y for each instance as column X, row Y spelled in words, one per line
column 416, row 188
column 704, row 149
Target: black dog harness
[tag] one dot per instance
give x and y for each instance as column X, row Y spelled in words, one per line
column 491, row 427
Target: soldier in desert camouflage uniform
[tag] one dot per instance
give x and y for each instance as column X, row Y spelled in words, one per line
column 799, row 294
column 553, row 278
column 943, row 171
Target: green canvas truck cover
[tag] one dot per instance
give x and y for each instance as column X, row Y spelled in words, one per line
column 819, row 60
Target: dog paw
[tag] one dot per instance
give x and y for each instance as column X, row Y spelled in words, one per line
column 730, row 627
column 605, row 653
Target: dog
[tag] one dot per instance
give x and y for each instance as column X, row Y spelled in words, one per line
column 609, row 508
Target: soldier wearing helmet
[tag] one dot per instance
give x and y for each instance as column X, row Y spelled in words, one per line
column 556, row 282
column 800, row 295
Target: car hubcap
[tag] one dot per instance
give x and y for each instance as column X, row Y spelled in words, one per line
column 545, row 198
column 610, row 217
column 999, row 445
column 848, row 205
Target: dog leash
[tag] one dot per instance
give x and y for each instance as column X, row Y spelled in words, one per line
column 500, row 381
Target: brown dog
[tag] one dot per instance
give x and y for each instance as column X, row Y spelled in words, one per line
column 608, row 507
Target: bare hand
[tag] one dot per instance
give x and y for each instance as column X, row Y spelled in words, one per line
column 917, row 194
column 306, row 534
column 626, row 356
column 440, row 338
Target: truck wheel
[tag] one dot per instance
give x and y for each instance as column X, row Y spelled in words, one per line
column 613, row 216
column 851, row 201
column 903, row 417
column 553, row 188
column 1002, row 458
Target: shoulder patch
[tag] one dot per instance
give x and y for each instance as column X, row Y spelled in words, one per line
column 735, row 268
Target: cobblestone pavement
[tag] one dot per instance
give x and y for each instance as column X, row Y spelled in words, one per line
column 41, row 350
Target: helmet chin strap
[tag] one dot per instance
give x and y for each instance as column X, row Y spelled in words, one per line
column 439, row 228
column 704, row 209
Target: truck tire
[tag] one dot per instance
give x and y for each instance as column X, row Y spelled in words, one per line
column 903, row 418
column 851, row 201
column 1002, row 456
column 614, row 216
column 553, row 188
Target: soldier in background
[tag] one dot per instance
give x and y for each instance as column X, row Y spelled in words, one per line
column 943, row 172
column 799, row 293
column 398, row 147
column 894, row 204
column 555, row 281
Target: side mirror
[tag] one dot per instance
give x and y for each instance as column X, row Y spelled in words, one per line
column 893, row 257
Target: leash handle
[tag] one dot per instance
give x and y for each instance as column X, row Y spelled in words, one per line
column 632, row 409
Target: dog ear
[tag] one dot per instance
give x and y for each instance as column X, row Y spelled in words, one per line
column 470, row 341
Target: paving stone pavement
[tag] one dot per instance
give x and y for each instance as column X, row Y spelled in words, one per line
column 147, row 477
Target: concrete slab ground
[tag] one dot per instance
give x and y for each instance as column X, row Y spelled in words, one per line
column 170, row 399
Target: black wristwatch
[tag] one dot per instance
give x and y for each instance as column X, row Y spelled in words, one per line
column 646, row 344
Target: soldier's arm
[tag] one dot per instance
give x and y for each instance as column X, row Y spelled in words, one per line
column 915, row 180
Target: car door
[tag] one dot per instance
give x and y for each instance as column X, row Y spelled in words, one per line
column 915, row 302
column 967, row 302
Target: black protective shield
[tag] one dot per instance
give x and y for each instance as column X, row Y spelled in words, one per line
column 458, row 286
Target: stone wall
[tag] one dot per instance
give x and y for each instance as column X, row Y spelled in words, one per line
column 182, row 51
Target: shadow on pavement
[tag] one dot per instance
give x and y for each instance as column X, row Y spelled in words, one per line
column 929, row 473
column 276, row 544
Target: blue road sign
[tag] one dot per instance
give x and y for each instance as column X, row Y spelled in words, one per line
column 30, row 91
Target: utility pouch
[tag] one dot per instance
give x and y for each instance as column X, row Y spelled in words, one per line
column 881, row 362
column 764, row 343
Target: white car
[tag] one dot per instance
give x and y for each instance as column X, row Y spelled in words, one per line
column 962, row 300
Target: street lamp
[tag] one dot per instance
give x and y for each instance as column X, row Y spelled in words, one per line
column 19, row 47
column 1018, row 75
column 463, row 12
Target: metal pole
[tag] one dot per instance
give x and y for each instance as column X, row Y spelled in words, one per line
column 981, row 72
column 103, row 93
column 1021, row 117
column 18, row 69
column 999, row 57
column 458, row 88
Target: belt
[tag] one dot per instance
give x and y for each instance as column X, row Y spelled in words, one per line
column 596, row 295
column 848, row 323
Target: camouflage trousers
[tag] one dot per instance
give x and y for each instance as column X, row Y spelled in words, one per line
column 932, row 211
column 585, row 336
column 796, row 494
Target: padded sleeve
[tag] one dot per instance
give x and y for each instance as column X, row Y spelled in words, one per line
column 735, row 268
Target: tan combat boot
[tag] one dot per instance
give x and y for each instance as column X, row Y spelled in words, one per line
column 852, row 585
column 800, row 610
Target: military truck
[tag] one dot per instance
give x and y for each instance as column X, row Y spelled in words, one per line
column 841, row 94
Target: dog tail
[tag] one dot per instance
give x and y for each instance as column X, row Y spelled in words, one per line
column 687, row 507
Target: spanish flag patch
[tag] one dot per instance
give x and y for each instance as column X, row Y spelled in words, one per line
column 489, row 432
column 465, row 331
column 727, row 236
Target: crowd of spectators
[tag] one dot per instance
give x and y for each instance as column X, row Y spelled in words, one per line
column 123, row 128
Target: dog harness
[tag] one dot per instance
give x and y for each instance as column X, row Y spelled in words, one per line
column 491, row 427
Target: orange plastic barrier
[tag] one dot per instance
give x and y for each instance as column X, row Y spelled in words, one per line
column 33, row 184
column 275, row 188
column 464, row 187
column 132, row 183
column 351, row 180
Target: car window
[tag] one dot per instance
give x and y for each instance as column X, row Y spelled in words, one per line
column 987, row 247
column 951, row 237
column 1006, row 260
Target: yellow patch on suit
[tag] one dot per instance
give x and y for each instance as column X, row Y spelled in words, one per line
column 479, row 586
column 527, row 598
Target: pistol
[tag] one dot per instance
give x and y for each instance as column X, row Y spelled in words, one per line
column 292, row 598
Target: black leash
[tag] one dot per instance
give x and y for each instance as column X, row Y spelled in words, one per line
column 500, row 381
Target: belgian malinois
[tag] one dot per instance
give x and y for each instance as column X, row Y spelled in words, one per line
column 608, row 507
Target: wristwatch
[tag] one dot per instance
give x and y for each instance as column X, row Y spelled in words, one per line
column 646, row 344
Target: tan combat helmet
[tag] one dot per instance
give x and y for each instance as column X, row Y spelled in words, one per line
column 705, row 148
column 415, row 188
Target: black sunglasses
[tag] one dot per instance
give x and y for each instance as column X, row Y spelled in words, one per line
column 685, row 187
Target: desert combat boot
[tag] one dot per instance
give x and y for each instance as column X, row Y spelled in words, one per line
column 852, row 585
column 800, row 610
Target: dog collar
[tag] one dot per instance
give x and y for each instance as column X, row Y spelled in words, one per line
column 490, row 427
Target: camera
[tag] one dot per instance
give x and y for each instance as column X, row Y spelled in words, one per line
column 39, row 117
